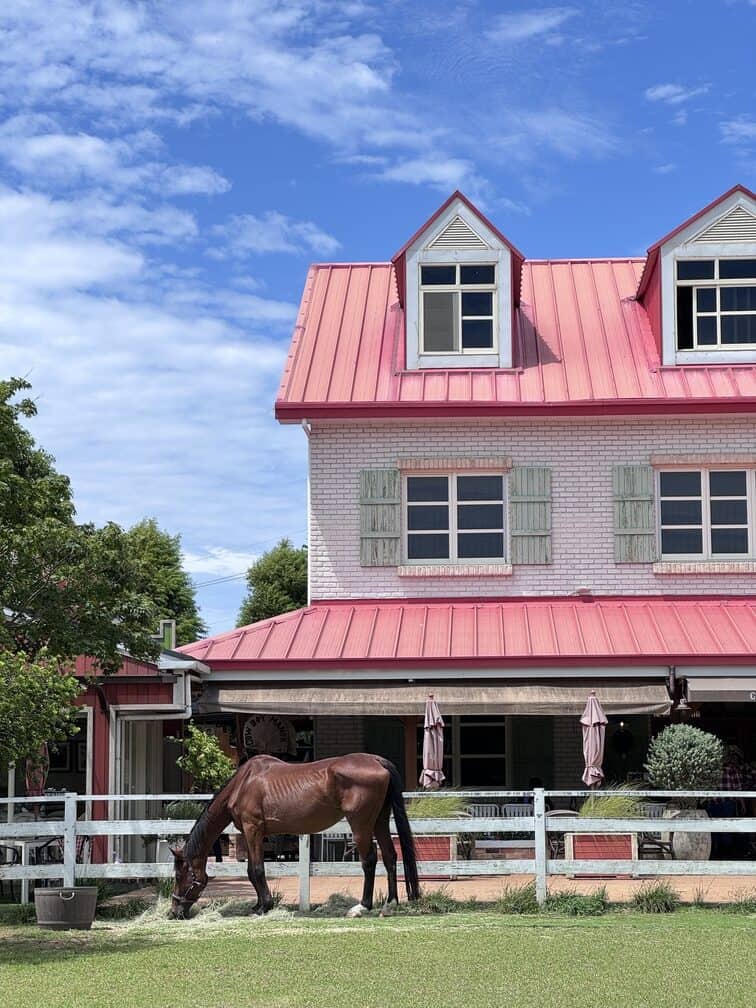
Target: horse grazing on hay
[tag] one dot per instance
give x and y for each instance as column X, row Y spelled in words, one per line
column 267, row 796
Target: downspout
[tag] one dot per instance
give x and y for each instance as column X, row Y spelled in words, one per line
column 307, row 428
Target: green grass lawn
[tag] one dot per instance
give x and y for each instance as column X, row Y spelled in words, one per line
column 691, row 958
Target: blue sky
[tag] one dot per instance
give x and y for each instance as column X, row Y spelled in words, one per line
column 168, row 170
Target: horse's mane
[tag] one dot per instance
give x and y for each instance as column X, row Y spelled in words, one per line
column 197, row 839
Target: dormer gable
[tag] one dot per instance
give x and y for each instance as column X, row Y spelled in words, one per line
column 459, row 283
column 699, row 285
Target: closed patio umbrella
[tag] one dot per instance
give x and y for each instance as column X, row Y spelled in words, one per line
column 594, row 730
column 433, row 746
column 37, row 768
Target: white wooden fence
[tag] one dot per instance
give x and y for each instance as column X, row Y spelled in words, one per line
column 25, row 835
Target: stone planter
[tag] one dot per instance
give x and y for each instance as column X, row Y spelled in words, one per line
column 600, row 847
column 66, row 909
column 163, row 853
column 690, row 846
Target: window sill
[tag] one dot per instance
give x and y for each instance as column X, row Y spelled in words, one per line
column 705, row 567
column 455, row 570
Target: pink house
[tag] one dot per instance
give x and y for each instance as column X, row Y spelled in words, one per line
column 527, row 478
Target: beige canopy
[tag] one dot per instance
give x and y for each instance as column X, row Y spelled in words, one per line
column 724, row 689
column 410, row 699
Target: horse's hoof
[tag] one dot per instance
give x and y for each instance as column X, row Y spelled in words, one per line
column 357, row 911
column 389, row 909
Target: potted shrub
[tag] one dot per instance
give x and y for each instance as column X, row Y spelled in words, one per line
column 209, row 767
column 684, row 758
column 434, row 846
column 605, row 846
column 184, row 808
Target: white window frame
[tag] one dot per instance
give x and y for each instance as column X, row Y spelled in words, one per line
column 717, row 284
column 706, row 556
column 458, row 288
column 453, row 530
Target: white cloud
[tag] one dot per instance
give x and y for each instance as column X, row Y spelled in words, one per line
column 673, row 94
column 154, row 389
column 522, row 25
column 569, row 134
column 32, row 149
column 217, row 561
column 665, row 169
column 741, row 130
column 445, row 174
column 185, row 180
column 247, row 234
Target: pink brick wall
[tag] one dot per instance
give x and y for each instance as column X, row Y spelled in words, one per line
column 581, row 455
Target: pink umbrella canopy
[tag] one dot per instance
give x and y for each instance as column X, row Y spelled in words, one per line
column 433, row 746
column 594, row 731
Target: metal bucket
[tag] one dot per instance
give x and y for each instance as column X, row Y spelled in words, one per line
column 66, row 909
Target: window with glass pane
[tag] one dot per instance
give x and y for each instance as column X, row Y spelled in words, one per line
column 705, row 513
column 427, row 517
column 716, row 304
column 480, row 517
column 458, row 308
column 456, row 517
column 681, row 503
column 728, row 510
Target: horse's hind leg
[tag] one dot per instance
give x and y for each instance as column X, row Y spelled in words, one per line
column 363, row 840
column 256, row 869
column 388, row 853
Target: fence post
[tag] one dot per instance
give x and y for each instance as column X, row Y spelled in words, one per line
column 304, row 871
column 539, row 815
column 69, row 841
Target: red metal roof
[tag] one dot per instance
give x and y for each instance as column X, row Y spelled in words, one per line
column 582, row 344
column 514, row 631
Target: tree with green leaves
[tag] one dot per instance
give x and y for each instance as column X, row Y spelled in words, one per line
column 65, row 588
column 277, row 583
column 36, row 705
column 203, row 759
column 163, row 579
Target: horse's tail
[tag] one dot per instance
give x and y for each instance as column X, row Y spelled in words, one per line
column 406, row 841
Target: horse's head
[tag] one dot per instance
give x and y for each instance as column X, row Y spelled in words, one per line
column 189, row 880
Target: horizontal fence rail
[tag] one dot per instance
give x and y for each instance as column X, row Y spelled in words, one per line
column 25, row 836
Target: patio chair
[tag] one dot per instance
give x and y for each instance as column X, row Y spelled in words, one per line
column 556, row 840
column 486, row 811
column 654, row 844
column 330, row 843
column 9, row 856
column 518, row 810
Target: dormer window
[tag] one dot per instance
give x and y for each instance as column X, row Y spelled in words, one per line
column 457, row 308
column 458, row 280
column 716, row 304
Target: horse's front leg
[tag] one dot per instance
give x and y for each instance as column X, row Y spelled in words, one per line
column 256, row 869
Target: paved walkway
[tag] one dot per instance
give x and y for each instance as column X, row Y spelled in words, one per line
column 709, row 888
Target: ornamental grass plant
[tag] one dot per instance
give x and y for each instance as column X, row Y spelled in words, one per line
column 436, row 806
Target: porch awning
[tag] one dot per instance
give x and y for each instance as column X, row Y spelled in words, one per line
column 725, row 689
column 458, row 699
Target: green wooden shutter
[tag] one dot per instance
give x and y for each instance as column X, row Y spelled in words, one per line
column 530, row 514
column 634, row 514
column 380, row 518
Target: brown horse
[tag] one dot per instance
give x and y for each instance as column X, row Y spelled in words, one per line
column 267, row 796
